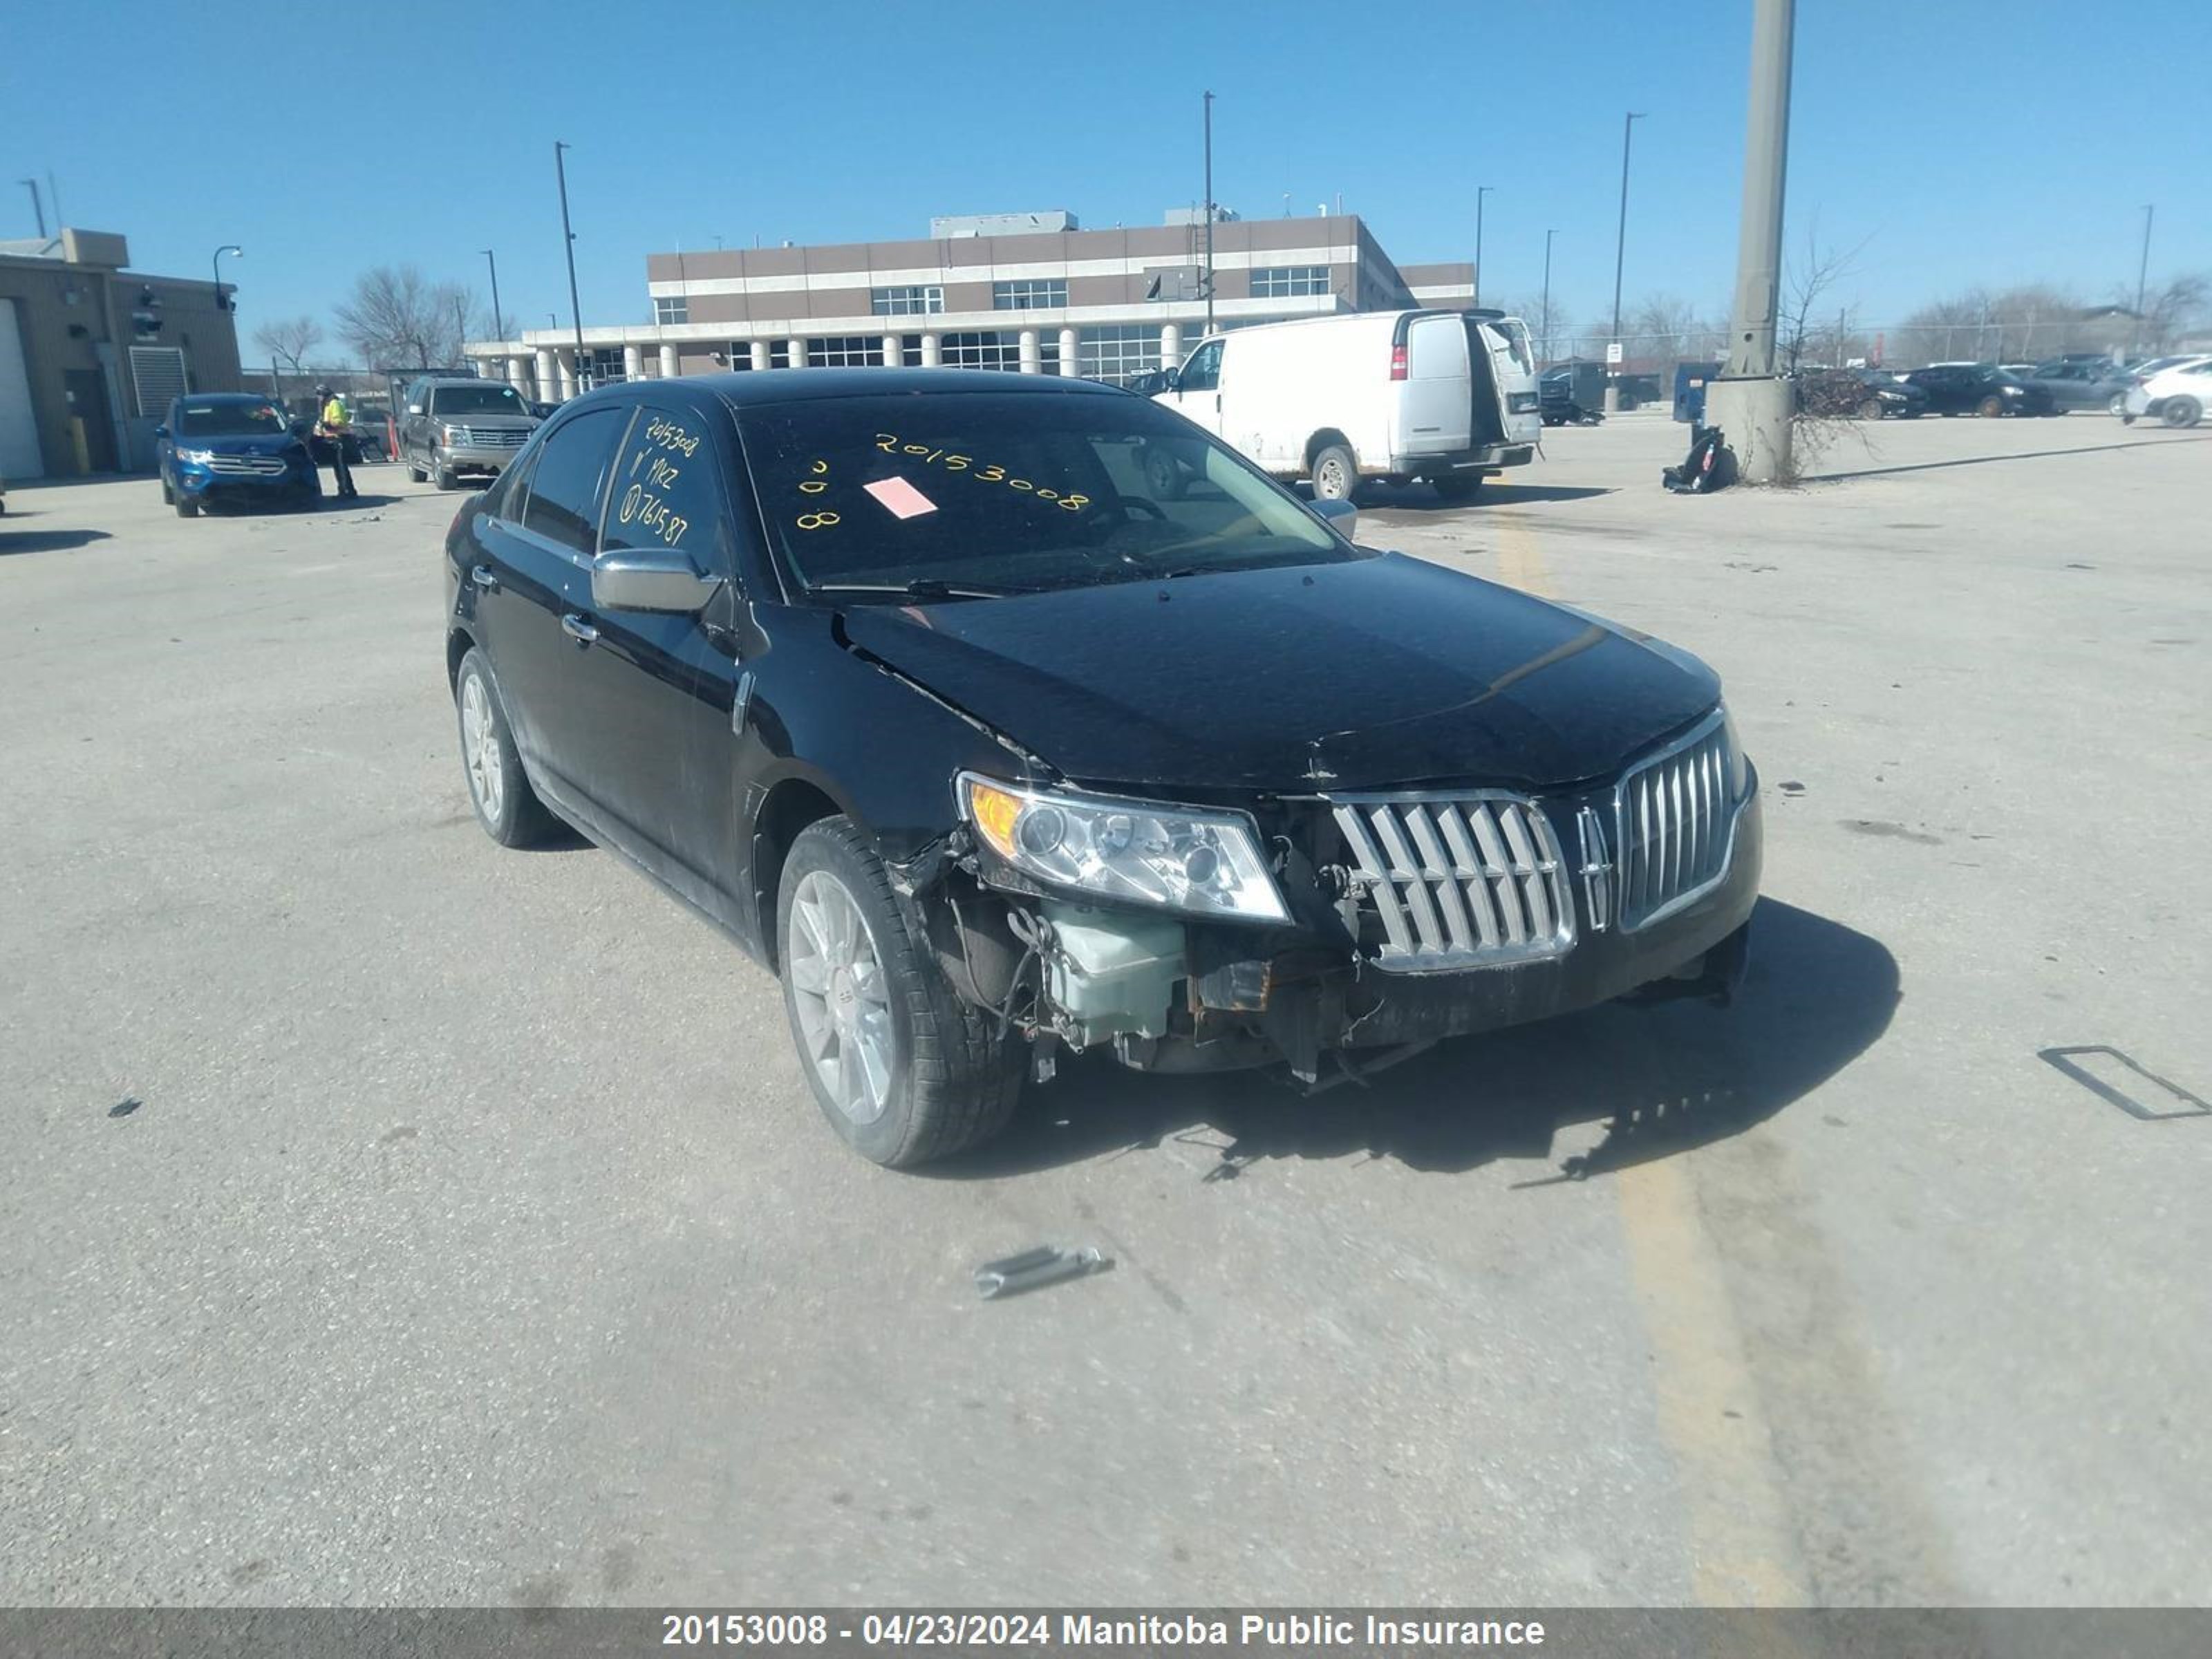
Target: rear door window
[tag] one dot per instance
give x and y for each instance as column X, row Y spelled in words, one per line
column 568, row 482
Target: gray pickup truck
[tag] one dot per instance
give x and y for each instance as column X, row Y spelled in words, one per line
column 456, row 426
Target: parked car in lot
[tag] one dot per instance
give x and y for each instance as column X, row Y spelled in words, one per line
column 2083, row 383
column 233, row 448
column 1865, row 394
column 1445, row 396
column 921, row 685
column 1979, row 389
column 2176, row 394
column 462, row 428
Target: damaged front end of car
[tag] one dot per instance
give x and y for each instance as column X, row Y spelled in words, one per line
column 1334, row 932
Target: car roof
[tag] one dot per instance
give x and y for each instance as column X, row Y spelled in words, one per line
column 745, row 388
column 226, row 397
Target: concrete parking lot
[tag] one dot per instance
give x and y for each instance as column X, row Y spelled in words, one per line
column 386, row 1218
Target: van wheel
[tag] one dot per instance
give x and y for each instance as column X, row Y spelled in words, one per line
column 1335, row 473
column 902, row 1068
column 506, row 806
column 1457, row 486
column 2181, row 411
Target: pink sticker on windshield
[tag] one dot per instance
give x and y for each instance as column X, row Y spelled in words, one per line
column 901, row 498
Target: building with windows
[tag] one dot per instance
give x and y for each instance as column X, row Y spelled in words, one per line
column 1031, row 293
column 92, row 352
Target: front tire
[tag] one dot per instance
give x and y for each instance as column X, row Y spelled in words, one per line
column 1991, row 408
column 1335, row 473
column 902, row 1068
column 2118, row 405
column 443, row 478
column 2181, row 411
column 506, row 806
column 186, row 508
column 1871, row 409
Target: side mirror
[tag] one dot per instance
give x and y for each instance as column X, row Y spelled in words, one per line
column 651, row 581
column 160, row 431
column 1340, row 516
column 414, row 408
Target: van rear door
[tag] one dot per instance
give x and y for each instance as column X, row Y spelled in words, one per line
column 1433, row 415
column 1511, row 360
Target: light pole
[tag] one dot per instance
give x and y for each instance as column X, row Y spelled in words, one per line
column 498, row 325
column 1548, row 296
column 1209, row 213
column 568, row 247
column 1481, row 190
column 1620, row 250
column 215, row 264
column 2142, row 281
column 1747, row 400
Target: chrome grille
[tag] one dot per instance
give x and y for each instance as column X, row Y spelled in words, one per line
column 246, row 466
column 1674, row 825
column 490, row 437
column 1458, row 881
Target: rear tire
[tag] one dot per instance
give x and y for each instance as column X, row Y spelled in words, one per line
column 1335, row 473
column 506, row 805
column 1457, row 486
column 2181, row 411
column 902, row 1068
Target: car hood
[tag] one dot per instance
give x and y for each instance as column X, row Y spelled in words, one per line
column 272, row 444
column 1384, row 671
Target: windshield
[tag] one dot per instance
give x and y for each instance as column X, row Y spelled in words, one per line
column 213, row 420
column 1019, row 492
column 486, row 399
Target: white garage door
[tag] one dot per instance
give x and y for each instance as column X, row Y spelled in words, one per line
column 19, row 432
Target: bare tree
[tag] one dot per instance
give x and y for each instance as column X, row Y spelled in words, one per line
column 396, row 320
column 1664, row 328
column 1550, row 333
column 2175, row 309
column 289, row 340
column 1805, row 284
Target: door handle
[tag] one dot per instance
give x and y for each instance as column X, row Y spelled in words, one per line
column 482, row 577
column 578, row 630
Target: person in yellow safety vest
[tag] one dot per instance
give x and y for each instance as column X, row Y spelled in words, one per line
column 335, row 426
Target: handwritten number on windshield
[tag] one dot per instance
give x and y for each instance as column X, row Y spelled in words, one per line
column 990, row 473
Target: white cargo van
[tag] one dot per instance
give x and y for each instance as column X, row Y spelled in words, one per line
column 1447, row 396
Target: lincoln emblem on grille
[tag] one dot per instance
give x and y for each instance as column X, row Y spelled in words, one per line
column 1596, row 871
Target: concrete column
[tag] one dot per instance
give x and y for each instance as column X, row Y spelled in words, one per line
column 798, row 351
column 633, row 363
column 1171, row 346
column 760, row 354
column 894, row 349
column 1068, row 349
column 546, row 385
column 568, row 374
column 517, row 374
column 932, row 354
column 669, row 369
column 1032, row 352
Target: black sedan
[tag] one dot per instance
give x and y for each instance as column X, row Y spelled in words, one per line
column 912, row 683
column 1865, row 394
column 1979, row 389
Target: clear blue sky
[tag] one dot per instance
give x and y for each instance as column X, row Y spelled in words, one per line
column 1966, row 142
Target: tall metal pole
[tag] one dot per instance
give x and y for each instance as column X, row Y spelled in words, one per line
column 1620, row 253
column 1481, row 190
column 498, row 325
column 2142, row 281
column 1548, row 296
column 1748, row 401
column 54, row 194
column 215, row 264
column 37, row 206
column 1209, row 213
column 569, row 246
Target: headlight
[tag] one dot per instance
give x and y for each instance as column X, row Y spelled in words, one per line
column 1739, row 763
column 202, row 457
column 1138, row 851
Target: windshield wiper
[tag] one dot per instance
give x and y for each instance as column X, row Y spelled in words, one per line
column 927, row 590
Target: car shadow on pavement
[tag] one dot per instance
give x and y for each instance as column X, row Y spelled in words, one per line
column 1492, row 494
column 44, row 541
column 1661, row 1079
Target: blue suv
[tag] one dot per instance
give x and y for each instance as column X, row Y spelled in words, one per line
column 233, row 446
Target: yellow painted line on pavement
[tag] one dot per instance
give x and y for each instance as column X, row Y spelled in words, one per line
column 1742, row 1547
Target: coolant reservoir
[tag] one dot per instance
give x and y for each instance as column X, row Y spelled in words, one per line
column 1112, row 972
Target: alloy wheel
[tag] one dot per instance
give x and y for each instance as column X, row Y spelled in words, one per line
column 480, row 747
column 841, row 997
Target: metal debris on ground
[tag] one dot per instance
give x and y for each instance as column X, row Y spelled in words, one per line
column 2065, row 1062
column 125, row 1106
column 1031, row 1269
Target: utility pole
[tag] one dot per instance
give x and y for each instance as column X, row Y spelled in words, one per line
column 215, row 264
column 569, row 246
column 498, row 324
column 1209, row 213
column 1620, row 252
column 2142, row 281
column 1481, row 190
column 38, row 207
column 1548, row 296
column 1747, row 400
